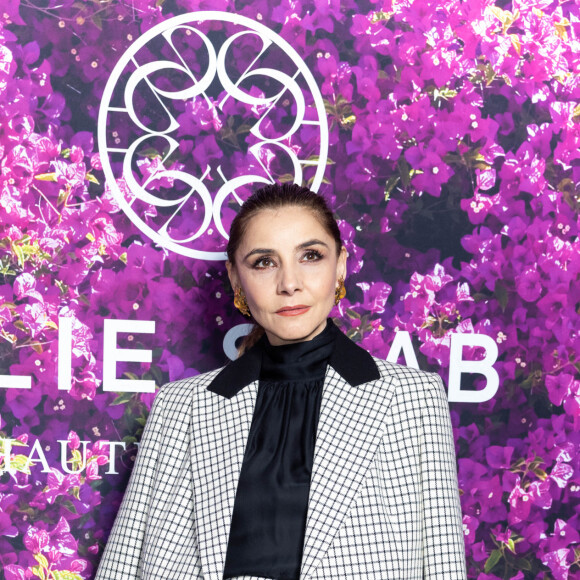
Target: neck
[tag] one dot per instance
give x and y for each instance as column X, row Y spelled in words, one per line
column 276, row 340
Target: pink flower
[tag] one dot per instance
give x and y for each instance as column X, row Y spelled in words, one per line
column 25, row 285
column 433, row 172
column 559, row 387
column 558, row 563
column 499, row 457
column 470, row 526
column 501, row 536
column 74, row 441
column 59, row 484
column 34, row 316
column 479, row 206
column 561, row 473
column 520, row 502
column 528, row 285
column 14, row 572
column 36, row 540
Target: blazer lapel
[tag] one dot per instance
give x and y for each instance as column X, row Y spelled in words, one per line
column 350, row 428
column 219, row 438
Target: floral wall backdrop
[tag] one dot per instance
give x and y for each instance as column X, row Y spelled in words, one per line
column 454, row 169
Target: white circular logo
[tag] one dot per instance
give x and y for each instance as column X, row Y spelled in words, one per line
column 197, row 112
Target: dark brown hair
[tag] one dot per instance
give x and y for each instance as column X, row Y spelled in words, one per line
column 278, row 196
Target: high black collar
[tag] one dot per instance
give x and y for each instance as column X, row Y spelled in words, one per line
column 354, row 364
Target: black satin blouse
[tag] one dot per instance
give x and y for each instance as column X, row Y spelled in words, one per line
column 269, row 517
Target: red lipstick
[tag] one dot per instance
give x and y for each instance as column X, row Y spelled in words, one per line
column 293, row 310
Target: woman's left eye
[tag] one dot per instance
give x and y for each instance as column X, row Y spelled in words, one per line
column 311, row 256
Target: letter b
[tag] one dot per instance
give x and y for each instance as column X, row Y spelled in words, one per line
column 484, row 367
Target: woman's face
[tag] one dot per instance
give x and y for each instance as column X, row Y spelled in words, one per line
column 288, row 268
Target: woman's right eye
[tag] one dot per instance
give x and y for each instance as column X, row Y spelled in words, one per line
column 262, row 263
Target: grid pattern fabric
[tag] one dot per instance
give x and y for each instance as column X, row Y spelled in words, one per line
column 383, row 502
column 405, row 522
column 157, row 512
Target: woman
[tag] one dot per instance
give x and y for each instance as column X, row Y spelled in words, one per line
column 306, row 458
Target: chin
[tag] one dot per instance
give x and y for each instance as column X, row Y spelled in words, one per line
column 295, row 330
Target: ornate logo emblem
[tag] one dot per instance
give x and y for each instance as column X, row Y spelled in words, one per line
column 199, row 111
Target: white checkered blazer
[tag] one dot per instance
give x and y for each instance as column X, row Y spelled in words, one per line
column 383, row 502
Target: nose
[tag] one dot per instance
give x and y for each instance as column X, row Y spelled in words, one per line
column 289, row 280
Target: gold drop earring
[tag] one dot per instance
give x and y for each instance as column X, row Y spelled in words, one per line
column 340, row 291
column 240, row 302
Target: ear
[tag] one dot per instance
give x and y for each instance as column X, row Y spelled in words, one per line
column 341, row 264
column 232, row 275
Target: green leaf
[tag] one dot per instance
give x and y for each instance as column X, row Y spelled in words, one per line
column 20, row 325
column 493, row 559
column 21, row 463
column 150, row 152
column 348, row 121
column 14, row 442
column 512, row 547
column 243, row 129
column 36, row 347
column 353, row 334
column 97, row 20
column 67, row 504
column 63, row 196
column 489, row 73
column 41, row 560
column 404, row 172
column 390, row 185
column 316, row 158
column 381, row 16
column 46, row 177
column 501, row 294
column 311, row 181
column 90, row 177
column 524, row 564
column 329, row 107
column 157, row 373
column 65, row 575
column 122, row 399
column 38, row 572
column 352, row 314
column 19, row 254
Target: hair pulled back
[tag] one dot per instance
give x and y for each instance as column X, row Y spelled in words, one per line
column 278, row 196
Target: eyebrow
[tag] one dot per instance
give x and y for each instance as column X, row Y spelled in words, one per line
column 261, row 251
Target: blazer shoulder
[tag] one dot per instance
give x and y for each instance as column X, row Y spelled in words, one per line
column 406, row 375
column 411, row 388
column 188, row 386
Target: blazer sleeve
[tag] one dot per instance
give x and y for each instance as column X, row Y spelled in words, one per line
column 444, row 548
column 122, row 558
